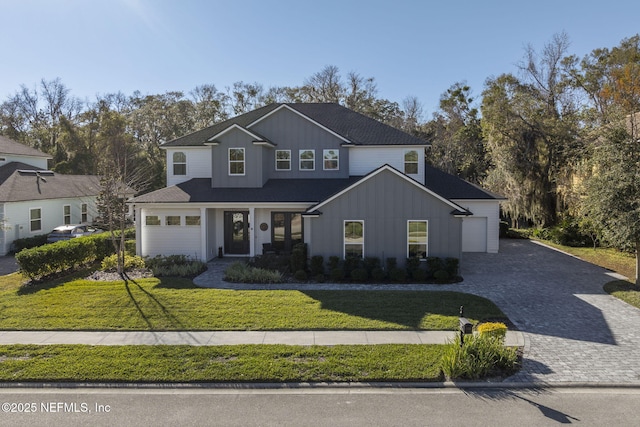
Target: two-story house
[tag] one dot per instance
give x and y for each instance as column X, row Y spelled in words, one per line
column 321, row 174
column 34, row 200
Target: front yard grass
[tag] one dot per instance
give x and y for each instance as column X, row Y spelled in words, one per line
column 240, row 363
column 177, row 304
column 626, row 291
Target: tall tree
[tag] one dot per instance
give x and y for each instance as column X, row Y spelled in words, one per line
column 531, row 128
column 457, row 145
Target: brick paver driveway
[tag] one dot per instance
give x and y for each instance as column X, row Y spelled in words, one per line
column 574, row 331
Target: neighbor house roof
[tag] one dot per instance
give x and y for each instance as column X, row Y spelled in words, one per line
column 454, row 188
column 21, row 182
column 353, row 127
column 8, row 146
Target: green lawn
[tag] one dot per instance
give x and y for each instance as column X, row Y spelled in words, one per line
column 176, row 304
column 243, row 363
column 625, row 291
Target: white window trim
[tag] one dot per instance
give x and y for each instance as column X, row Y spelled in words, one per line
column 64, row 215
column 31, row 220
column 244, row 161
column 404, row 161
column 286, row 151
column 300, row 160
column 344, row 241
column 174, row 163
column 426, row 243
column 324, row 159
column 84, row 212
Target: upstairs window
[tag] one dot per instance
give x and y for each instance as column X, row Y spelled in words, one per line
column 330, row 158
column 411, row 162
column 66, row 214
column 283, row 160
column 307, row 160
column 179, row 163
column 236, row 161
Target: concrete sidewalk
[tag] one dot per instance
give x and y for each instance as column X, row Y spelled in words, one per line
column 211, row 338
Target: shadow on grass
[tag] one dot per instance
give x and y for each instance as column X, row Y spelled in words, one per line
column 408, row 308
column 33, row 286
column 173, row 320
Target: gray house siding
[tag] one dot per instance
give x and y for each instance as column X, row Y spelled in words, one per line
column 253, row 176
column 385, row 203
column 295, row 133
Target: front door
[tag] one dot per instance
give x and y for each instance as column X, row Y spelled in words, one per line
column 236, row 232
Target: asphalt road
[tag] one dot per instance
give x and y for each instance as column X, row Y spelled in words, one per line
column 323, row 406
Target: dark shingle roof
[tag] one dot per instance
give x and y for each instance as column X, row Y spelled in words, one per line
column 353, row 126
column 274, row 190
column 19, row 182
column 453, row 188
column 8, row 146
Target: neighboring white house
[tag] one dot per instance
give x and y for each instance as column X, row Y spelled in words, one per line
column 322, row 174
column 34, row 200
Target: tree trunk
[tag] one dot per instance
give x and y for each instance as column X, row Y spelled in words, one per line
column 638, row 263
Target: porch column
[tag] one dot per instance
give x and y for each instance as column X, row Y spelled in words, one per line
column 203, row 235
column 252, row 235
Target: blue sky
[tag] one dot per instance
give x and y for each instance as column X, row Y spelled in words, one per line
column 418, row 47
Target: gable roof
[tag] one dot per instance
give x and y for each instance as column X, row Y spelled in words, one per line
column 454, row 188
column 20, row 182
column 354, row 128
column 9, row 146
column 457, row 209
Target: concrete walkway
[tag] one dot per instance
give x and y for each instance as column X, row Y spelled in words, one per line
column 202, row 338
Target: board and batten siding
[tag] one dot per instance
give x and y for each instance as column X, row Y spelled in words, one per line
column 488, row 210
column 363, row 160
column 170, row 240
column 198, row 164
column 385, row 202
column 294, row 132
column 253, row 176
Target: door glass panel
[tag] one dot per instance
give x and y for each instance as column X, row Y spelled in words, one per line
column 296, row 229
column 238, row 227
column 278, row 231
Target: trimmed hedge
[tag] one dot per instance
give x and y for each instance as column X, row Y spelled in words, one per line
column 48, row 260
column 29, row 242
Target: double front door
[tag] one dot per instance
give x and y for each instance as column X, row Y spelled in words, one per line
column 236, row 232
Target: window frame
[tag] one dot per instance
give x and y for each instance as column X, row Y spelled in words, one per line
column 344, row 237
column 32, row 220
column 283, row 160
column 312, row 160
column 407, row 163
column 179, row 163
column 66, row 214
column 416, row 243
column 325, row 159
column 236, row 161
column 169, row 223
column 146, row 220
column 84, row 212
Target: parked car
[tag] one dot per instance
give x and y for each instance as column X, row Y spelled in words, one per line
column 69, row 231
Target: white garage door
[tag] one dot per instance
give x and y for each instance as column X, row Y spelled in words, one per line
column 474, row 234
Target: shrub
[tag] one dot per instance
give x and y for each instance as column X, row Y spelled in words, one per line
column 240, row 272
column 110, row 263
column 175, row 266
column 337, row 275
column 334, row 262
column 273, row 262
column 130, row 247
column 434, row 264
column 371, row 263
column 419, row 275
column 494, row 329
column 451, row 266
column 28, row 242
column 320, row 278
column 441, row 276
column 317, row 265
column 351, row 263
column 378, row 274
column 58, row 257
column 299, row 257
column 391, row 263
column 397, row 274
column 359, row 275
column 301, row 275
column 480, row 356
